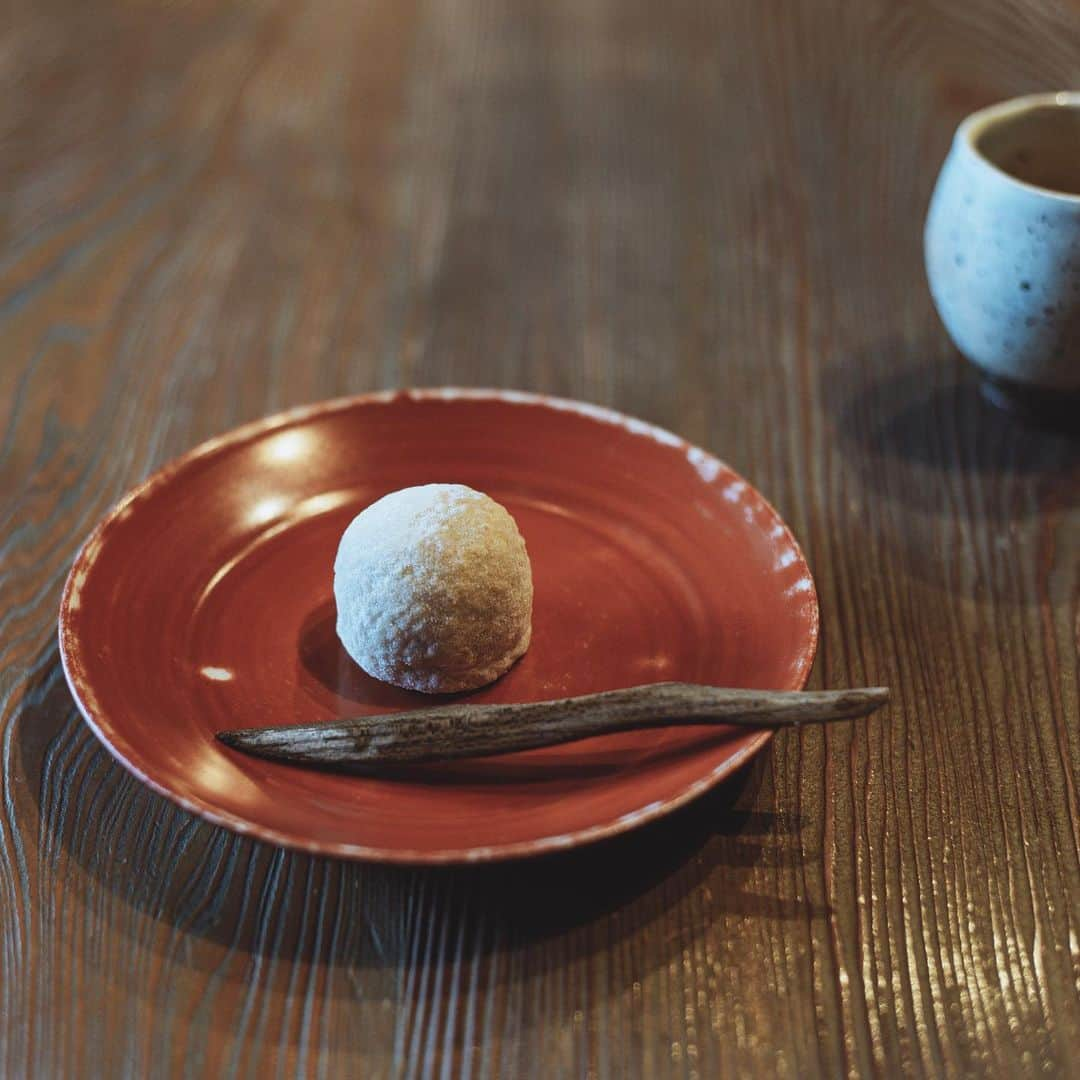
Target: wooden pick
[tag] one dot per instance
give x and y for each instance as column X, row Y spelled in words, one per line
column 446, row 732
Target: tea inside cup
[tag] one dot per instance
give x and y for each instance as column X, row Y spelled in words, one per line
column 1037, row 145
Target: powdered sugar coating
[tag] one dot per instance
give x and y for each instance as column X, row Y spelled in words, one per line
column 434, row 589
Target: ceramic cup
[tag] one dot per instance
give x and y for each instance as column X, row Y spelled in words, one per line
column 1002, row 246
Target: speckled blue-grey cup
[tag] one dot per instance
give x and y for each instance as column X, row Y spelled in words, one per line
column 1003, row 241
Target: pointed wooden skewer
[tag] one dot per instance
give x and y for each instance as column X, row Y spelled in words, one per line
column 446, row 732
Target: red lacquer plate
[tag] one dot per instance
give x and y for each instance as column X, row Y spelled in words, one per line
column 204, row 601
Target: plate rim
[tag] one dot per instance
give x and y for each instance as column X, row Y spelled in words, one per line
column 120, row 748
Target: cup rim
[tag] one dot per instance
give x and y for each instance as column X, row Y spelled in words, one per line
column 976, row 125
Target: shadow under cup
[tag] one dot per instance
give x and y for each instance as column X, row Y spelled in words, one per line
column 1002, row 249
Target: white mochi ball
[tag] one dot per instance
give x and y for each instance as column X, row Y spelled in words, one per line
column 434, row 589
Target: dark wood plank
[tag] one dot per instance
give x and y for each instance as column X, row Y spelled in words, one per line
column 705, row 214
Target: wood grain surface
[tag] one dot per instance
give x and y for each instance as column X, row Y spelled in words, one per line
column 706, row 214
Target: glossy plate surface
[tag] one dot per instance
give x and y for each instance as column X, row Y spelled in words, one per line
column 204, row 601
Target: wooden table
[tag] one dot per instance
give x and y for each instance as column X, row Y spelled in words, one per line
column 708, row 215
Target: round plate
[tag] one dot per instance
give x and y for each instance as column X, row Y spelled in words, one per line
column 204, row 601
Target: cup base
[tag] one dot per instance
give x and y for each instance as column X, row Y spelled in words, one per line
column 1042, row 406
